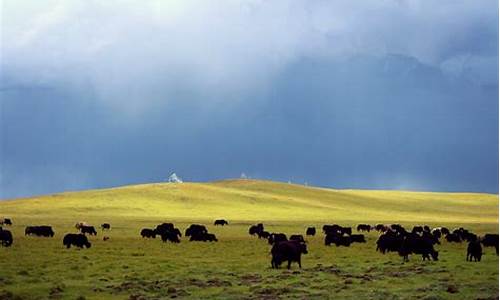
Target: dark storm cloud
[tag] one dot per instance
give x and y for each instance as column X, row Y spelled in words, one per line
column 332, row 94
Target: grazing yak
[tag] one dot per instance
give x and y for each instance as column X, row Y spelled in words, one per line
column 490, row 240
column 289, row 251
column 80, row 224
column 398, row 229
column 6, row 221
column 329, row 229
column 357, row 238
column 445, row 231
column 464, row 234
column 88, row 229
column 470, row 237
column 311, row 231
column 148, row 233
column 390, row 241
column 381, row 228
column 346, row 230
column 168, row 229
column 395, row 226
column 255, row 229
column 415, row 244
column 76, row 239
column 453, row 238
column 170, row 236
column 195, row 229
column 263, row 234
column 363, row 227
column 474, row 250
column 210, row 237
column 221, row 222
column 276, row 238
column 337, row 239
column 431, row 237
column 105, row 226
column 417, row 229
column 297, row 237
column 30, row 230
column 164, row 227
column 6, row 239
column 177, row 232
column 436, row 232
column 45, row 231
column 203, row 237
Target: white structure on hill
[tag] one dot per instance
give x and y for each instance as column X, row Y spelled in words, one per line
column 174, row 178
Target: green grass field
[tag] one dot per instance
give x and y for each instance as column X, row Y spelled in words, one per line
column 238, row 266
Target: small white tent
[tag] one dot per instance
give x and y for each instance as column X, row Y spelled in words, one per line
column 174, row 178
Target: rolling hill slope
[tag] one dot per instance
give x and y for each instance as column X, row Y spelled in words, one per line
column 249, row 200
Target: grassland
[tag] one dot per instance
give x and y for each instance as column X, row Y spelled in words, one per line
column 238, row 266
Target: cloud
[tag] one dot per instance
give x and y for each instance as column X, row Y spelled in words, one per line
column 379, row 94
column 137, row 54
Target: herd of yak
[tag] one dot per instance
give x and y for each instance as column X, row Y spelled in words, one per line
column 393, row 238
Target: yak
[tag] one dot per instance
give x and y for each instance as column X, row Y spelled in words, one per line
column 289, row 251
column 79, row 240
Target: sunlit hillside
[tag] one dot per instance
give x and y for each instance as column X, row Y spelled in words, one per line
column 259, row 200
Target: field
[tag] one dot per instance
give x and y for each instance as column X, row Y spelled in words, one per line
column 238, row 266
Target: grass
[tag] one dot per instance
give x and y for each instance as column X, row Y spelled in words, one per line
column 238, row 266
column 253, row 200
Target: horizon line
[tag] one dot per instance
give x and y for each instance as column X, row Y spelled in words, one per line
column 246, row 179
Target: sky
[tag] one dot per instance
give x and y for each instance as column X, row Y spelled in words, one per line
column 388, row 94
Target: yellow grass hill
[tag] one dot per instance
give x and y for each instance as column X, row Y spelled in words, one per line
column 259, row 200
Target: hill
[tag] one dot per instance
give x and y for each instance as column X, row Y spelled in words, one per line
column 248, row 200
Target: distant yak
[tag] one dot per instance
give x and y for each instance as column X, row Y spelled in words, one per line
column 363, row 227
column 75, row 239
column 311, row 231
column 88, row 229
column 221, row 222
column 6, row 239
column 474, row 251
column 148, row 233
column 45, row 231
column 6, row 221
